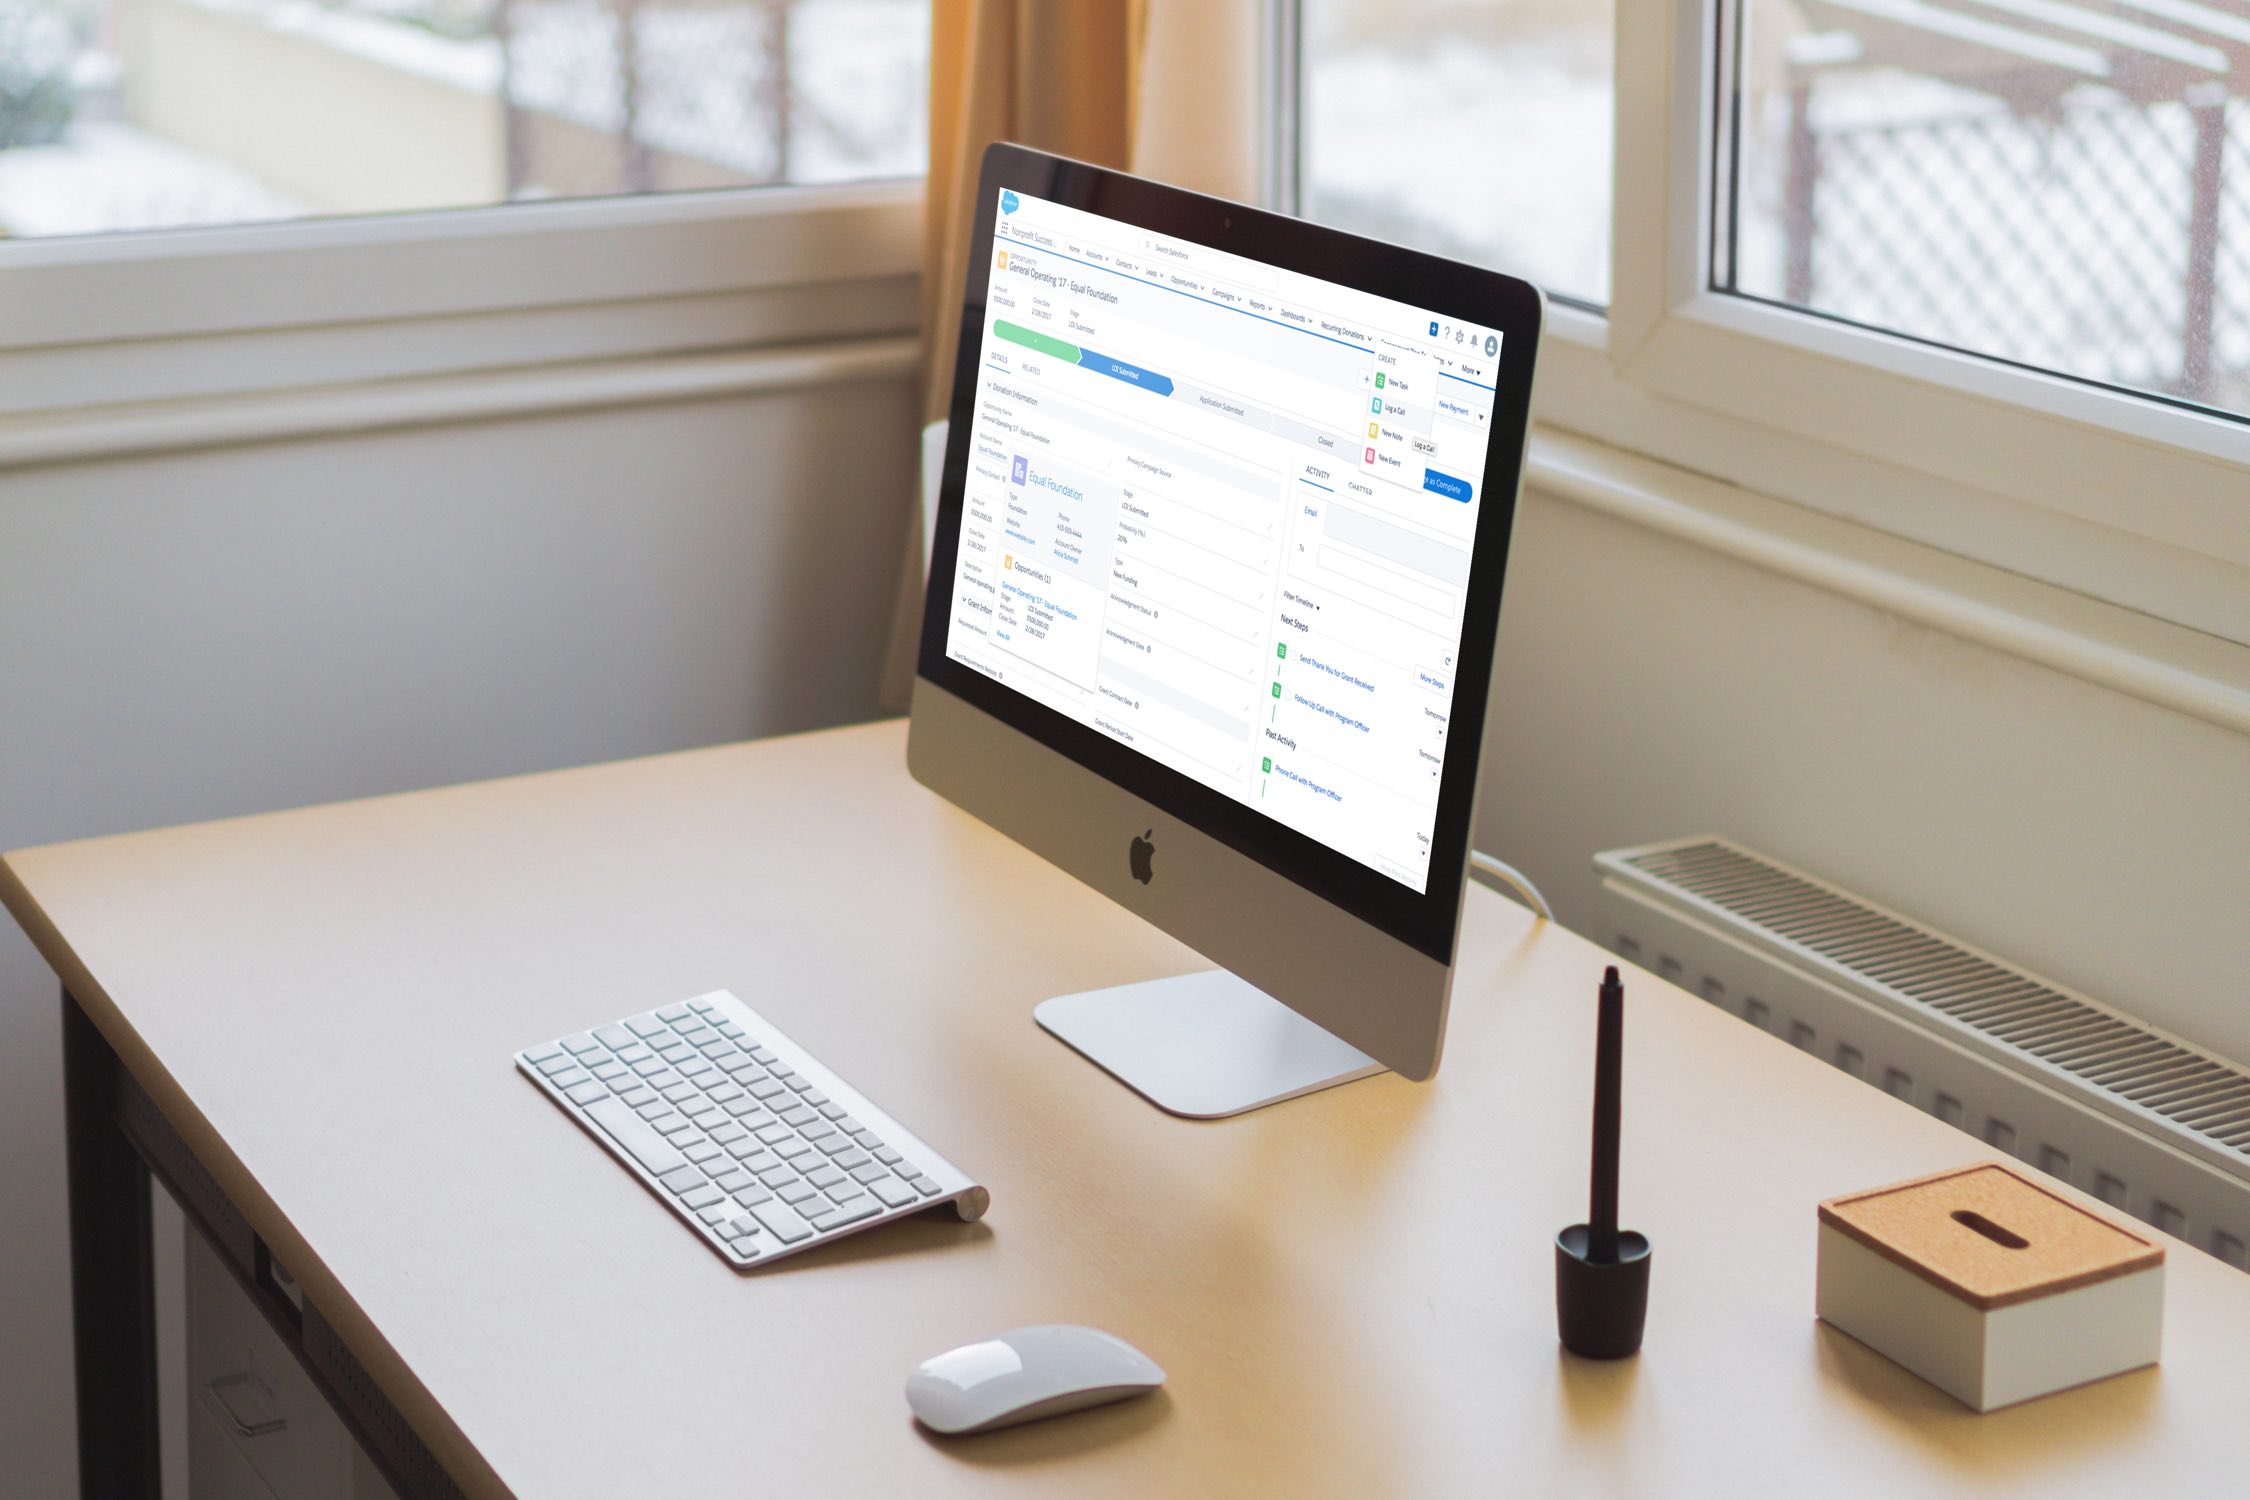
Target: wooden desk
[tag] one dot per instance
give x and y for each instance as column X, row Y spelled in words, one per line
column 1352, row 1291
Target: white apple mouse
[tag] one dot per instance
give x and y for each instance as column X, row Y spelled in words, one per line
column 1025, row 1374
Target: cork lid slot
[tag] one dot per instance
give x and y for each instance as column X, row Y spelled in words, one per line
column 1990, row 1236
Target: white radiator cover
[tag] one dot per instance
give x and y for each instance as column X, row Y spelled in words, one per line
column 2144, row 1121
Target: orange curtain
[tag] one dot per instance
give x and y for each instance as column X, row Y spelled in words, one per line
column 1061, row 75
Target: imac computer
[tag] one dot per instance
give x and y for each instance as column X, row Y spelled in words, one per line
column 1214, row 585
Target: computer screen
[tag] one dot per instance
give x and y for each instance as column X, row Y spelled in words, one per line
column 1223, row 513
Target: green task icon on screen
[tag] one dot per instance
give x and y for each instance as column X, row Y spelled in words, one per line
column 1378, row 380
column 1268, row 763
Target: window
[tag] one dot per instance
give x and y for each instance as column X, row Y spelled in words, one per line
column 139, row 114
column 1405, row 104
column 2062, row 184
column 1973, row 273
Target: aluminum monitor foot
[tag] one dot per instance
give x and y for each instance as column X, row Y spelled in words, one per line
column 1203, row 1045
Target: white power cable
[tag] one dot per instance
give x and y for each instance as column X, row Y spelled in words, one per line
column 1503, row 876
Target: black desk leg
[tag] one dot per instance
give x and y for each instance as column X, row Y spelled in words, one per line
column 112, row 1277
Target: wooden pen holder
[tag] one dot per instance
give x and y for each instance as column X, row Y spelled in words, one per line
column 1989, row 1286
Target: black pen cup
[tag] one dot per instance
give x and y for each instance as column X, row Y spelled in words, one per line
column 1601, row 1306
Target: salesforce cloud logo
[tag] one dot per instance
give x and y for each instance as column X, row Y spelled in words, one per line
column 1007, row 200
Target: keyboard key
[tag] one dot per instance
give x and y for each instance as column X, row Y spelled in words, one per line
column 780, row 1174
column 752, row 1195
column 674, row 1014
column 728, row 1134
column 543, row 1054
column 637, row 1095
column 645, row 1027
column 734, row 1177
column 862, row 1208
column 715, row 1047
column 702, row 1007
column 764, row 1161
column 582, row 1044
column 672, row 1125
column 679, row 1090
column 610, row 1072
column 706, row 1115
column 824, row 1176
column 799, row 1117
column 822, row 1131
column 702, row 1197
column 650, row 1066
column 835, row 1111
column 616, row 1038
column 762, row 1054
column 720, row 1092
column 634, row 1053
column 782, row 1221
column 701, row 1074
column 797, row 1192
column 868, row 1138
column 630, row 1131
column 894, row 1193
column 777, row 1131
column 800, row 1083
column 886, row 1155
column 585, row 1093
column 743, row 1065
column 765, row 1088
column 744, row 1149
column 701, row 1152
column 730, row 1029
column 923, row 1185
column 675, row 1052
column 560, row 1061
column 718, row 1213
column 681, row 1178
column 853, row 1159
column 746, row 1109
column 655, row 1109
column 868, row 1172
column 835, row 1145
column 781, row 1070
column 791, row 1150
column 815, row 1098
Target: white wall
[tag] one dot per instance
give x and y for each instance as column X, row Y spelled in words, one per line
column 1649, row 688
column 208, row 634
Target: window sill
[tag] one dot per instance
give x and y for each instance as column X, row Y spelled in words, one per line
column 2185, row 670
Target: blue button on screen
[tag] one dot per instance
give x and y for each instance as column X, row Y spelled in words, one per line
column 1446, row 485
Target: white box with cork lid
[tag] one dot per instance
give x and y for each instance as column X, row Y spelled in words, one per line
column 1989, row 1286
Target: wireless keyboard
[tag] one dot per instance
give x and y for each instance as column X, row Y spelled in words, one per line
column 749, row 1138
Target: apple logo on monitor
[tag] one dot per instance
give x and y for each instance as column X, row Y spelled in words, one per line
column 1142, row 855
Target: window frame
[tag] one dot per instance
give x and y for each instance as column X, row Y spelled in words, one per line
column 354, row 271
column 2133, row 501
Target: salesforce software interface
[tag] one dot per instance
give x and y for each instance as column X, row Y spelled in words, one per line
column 1222, row 513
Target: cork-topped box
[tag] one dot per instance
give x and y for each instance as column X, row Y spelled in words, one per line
column 1989, row 1286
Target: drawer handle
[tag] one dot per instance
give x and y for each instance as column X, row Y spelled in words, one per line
column 245, row 1405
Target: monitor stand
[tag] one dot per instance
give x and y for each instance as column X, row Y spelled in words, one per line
column 1203, row 1045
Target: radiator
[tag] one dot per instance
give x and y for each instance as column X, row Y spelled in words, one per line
column 2146, row 1122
